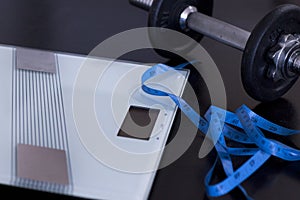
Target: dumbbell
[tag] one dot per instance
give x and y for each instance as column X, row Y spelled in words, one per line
column 271, row 58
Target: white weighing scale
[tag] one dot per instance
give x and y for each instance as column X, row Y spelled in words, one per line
column 49, row 140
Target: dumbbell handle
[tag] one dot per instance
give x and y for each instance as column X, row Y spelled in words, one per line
column 208, row 26
column 218, row 30
column 143, row 4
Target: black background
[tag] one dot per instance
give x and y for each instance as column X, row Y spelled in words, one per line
column 77, row 26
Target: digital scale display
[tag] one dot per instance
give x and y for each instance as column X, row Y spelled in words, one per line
column 139, row 123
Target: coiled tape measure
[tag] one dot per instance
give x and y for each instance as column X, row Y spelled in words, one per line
column 219, row 124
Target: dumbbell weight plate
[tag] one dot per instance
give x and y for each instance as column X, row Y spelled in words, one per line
column 166, row 14
column 255, row 63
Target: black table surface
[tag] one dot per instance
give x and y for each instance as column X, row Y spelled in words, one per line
column 77, row 26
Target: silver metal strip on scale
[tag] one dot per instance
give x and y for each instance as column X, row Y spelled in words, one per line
column 38, row 117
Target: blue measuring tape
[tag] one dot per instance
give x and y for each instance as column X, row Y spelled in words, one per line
column 219, row 124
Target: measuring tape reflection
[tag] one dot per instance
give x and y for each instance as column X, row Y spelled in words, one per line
column 219, row 124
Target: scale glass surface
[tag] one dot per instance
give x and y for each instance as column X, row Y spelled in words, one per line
column 44, row 130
